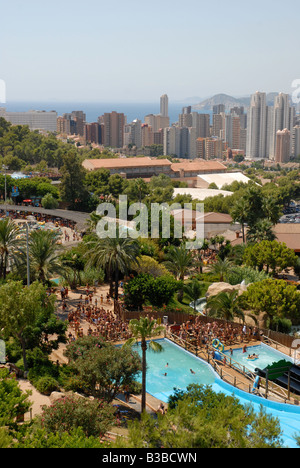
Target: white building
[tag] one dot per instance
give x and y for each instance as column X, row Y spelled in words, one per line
column 36, row 120
column 205, row 180
column 296, row 141
column 201, row 194
column 133, row 133
column 257, row 127
column 283, row 118
column 164, row 105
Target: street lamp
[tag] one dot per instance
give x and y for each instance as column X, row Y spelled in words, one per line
column 27, row 253
column 5, row 168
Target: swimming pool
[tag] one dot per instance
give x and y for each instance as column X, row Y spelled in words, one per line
column 266, row 355
column 179, row 376
column 178, row 371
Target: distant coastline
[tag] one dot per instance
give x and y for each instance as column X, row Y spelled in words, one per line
column 94, row 110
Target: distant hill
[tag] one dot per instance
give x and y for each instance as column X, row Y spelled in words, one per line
column 230, row 101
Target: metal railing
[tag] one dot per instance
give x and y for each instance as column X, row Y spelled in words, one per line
column 268, row 389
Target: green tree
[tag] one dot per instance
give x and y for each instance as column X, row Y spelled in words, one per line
column 179, row 261
column 13, row 401
column 260, row 231
column 44, row 255
column 270, row 255
column 73, row 189
column 11, row 246
column 225, row 305
column 276, row 298
column 114, row 255
column 221, row 268
column 102, row 369
column 69, row 413
column 39, row 438
column 239, row 214
column 194, row 291
column 201, row 418
column 20, row 308
column 49, row 202
column 144, row 329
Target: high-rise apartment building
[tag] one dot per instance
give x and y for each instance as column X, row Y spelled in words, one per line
column 63, row 126
column 93, row 133
column 219, row 109
column 257, row 127
column 171, row 143
column 283, row 146
column 133, row 133
column 202, row 124
column 282, row 118
column 114, row 124
column 157, row 122
column 164, row 105
column 209, row 148
column 296, row 141
column 218, row 125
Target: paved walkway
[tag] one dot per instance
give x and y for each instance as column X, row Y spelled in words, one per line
column 75, row 216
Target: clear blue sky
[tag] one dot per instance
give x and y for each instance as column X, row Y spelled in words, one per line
column 118, row 50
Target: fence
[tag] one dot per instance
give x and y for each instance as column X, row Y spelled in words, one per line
column 179, row 318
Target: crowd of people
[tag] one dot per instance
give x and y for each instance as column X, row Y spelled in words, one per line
column 200, row 333
column 92, row 315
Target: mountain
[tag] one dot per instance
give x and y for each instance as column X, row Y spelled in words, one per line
column 230, row 101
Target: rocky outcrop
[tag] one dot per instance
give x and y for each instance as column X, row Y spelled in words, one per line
column 216, row 288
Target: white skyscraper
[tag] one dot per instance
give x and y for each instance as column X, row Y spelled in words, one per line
column 283, row 118
column 257, row 127
column 164, row 106
column 296, row 141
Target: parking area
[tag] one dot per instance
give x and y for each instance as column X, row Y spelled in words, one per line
column 291, row 215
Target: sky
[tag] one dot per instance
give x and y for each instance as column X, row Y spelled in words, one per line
column 130, row 51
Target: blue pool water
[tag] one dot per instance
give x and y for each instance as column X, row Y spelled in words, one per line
column 266, row 355
column 178, row 371
column 179, row 376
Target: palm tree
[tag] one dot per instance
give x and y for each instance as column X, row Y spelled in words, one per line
column 179, row 262
column 92, row 221
column 194, row 291
column 262, row 230
column 225, row 306
column 44, row 255
column 142, row 330
column 239, row 213
column 11, row 245
column 115, row 256
column 221, row 268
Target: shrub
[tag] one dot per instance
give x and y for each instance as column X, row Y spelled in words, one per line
column 95, row 417
column 49, row 202
column 157, row 291
column 47, row 385
column 239, row 274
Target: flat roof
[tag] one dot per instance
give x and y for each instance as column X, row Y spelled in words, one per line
column 198, row 165
column 224, row 179
column 119, row 163
column 201, row 194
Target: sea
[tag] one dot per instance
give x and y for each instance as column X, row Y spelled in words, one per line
column 93, row 110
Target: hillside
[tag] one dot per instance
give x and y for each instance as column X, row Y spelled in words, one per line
column 229, row 102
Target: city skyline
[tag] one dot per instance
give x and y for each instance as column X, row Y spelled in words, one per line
column 132, row 52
